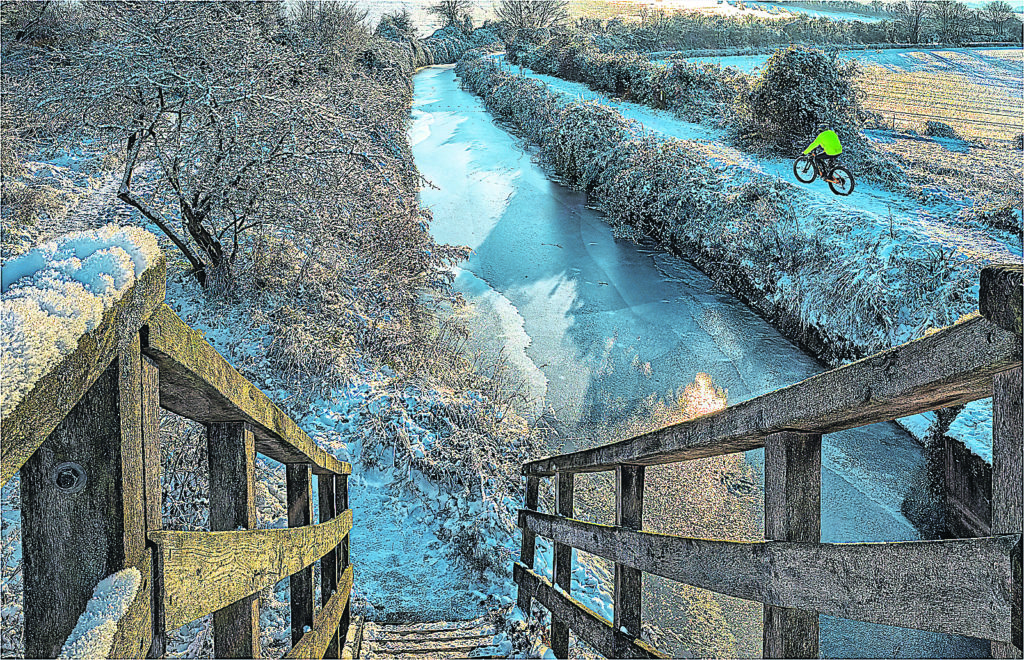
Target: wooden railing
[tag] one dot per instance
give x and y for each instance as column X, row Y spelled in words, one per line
column 86, row 441
column 968, row 586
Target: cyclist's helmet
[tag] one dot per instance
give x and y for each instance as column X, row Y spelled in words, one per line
column 820, row 128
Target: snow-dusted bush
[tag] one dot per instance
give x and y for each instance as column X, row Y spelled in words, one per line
column 583, row 131
column 527, row 104
column 798, row 89
column 939, row 129
column 59, row 291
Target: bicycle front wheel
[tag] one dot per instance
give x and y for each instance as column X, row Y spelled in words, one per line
column 841, row 182
column 803, row 168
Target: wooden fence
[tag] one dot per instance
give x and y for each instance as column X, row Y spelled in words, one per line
column 86, row 441
column 965, row 586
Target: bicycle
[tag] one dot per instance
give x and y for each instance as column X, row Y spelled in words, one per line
column 808, row 167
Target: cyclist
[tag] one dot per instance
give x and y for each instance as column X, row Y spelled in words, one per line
column 828, row 144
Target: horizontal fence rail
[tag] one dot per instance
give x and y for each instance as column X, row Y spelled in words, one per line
column 963, row 586
column 86, row 443
column 205, row 571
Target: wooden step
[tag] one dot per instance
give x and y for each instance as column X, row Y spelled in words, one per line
column 382, row 634
column 422, row 641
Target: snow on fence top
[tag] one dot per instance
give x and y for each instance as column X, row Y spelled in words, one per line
column 94, row 634
column 59, row 291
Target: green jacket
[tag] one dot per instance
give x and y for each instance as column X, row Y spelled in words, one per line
column 829, row 141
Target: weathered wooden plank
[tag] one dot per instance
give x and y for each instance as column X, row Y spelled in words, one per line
column 999, row 300
column 952, row 366
column 300, row 514
column 314, row 643
column 231, row 448
column 592, row 628
column 153, row 492
column 629, row 513
column 198, row 383
column 54, row 395
column 1008, row 482
column 83, row 515
column 204, row 571
column 528, row 549
column 561, row 569
column 329, row 562
column 957, row 586
column 792, row 512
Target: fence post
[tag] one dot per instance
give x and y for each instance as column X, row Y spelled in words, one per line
column 343, row 558
column 83, row 511
column 231, row 447
column 153, row 491
column 792, row 512
column 1007, row 485
column 300, row 514
column 629, row 513
column 528, row 550
column 1001, row 301
column 561, row 569
column 329, row 562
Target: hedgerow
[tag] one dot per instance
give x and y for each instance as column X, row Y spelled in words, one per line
column 694, row 91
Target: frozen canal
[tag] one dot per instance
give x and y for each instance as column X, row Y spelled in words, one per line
column 580, row 314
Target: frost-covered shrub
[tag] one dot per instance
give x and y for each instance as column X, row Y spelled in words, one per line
column 798, row 89
column 657, row 186
column 584, row 130
column 939, row 129
column 1002, row 214
column 525, row 103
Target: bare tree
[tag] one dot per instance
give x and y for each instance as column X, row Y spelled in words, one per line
column 910, row 15
column 230, row 117
column 950, row 18
column 457, row 13
column 532, row 14
column 997, row 14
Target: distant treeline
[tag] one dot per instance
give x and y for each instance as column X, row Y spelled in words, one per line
column 912, row 22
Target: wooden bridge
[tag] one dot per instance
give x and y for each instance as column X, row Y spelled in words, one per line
column 967, row 586
column 86, row 443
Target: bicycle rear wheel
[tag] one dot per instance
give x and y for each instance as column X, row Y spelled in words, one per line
column 804, row 170
column 841, row 182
